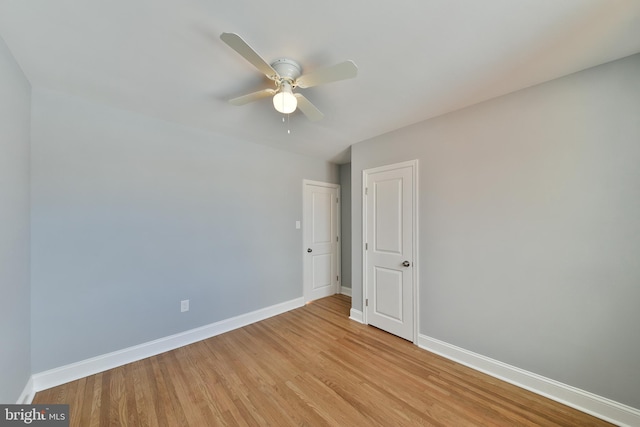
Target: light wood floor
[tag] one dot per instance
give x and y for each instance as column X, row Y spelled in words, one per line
column 311, row 366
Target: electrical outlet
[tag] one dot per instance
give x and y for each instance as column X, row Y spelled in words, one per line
column 184, row 305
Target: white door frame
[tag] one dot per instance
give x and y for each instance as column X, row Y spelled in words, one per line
column 365, row 174
column 305, row 244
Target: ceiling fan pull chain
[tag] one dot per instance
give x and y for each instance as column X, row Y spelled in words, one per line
column 288, row 123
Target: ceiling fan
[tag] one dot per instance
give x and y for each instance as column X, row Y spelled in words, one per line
column 287, row 75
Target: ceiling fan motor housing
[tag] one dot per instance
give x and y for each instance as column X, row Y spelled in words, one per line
column 288, row 69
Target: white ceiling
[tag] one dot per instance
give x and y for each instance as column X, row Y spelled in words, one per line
column 416, row 59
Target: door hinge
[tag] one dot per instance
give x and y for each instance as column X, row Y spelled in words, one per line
column 366, row 302
column 366, row 190
column 337, row 200
column 366, row 246
column 337, row 238
column 337, row 278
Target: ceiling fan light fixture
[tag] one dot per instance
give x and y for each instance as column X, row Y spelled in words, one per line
column 284, row 101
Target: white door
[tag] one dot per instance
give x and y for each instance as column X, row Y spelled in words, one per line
column 390, row 248
column 321, row 234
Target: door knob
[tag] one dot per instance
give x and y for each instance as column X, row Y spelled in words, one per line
column 309, row 250
column 406, row 264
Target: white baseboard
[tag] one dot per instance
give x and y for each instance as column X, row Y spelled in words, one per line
column 83, row 368
column 355, row 315
column 27, row 394
column 345, row 290
column 584, row 401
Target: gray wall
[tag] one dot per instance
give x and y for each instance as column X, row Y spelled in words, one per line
column 530, row 227
column 345, row 224
column 15, row 356
column 131, row 214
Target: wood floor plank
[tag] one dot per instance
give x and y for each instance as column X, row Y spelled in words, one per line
column 307, row 367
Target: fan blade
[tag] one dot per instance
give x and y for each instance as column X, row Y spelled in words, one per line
column 342, row 71
column 308, row 109
column 236, row 43
column 245, row 99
